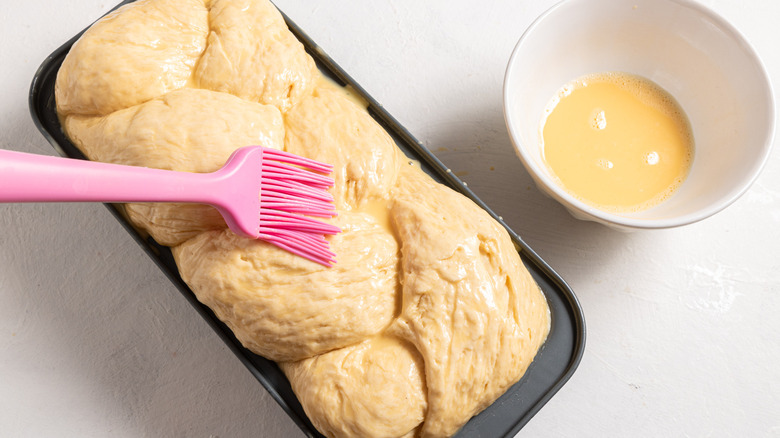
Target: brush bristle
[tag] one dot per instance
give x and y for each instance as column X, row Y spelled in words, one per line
column 290, row 192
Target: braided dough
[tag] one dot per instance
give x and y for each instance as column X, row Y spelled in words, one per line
column 429, row 314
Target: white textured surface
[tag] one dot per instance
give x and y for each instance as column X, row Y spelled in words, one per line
column 683, row 326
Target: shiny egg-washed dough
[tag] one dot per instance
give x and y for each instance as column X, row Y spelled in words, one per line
column 132, row 55
column 331, row 127
column 183, row 131
column 429, row 314
column 287, row 308
column 251, row 54
column 469, row 306
column 334, row 388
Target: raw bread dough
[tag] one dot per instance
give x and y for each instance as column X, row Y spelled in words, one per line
column 287, row 308
column 253, row 55
column 429, row 314
column 469, row 306
column 136, row 53
column 334, row 128
column 187, row 130
column 372, row 389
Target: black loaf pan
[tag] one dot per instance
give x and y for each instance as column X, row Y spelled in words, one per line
column 552, row 367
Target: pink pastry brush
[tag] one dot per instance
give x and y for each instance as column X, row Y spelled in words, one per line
column 261, row 193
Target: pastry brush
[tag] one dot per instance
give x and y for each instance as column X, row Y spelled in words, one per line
column 262, row 193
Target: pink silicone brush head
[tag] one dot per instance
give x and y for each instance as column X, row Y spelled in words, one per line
column 291, row 189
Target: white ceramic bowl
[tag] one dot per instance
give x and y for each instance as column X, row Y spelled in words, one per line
column 691, row 52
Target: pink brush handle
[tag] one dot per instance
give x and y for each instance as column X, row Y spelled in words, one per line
column 39, row 178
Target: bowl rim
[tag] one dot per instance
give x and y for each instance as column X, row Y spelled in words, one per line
column 592, row 213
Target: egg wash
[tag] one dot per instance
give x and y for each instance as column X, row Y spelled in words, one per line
column 617, row 141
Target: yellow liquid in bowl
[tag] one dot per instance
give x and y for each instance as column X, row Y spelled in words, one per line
column 618, row 142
